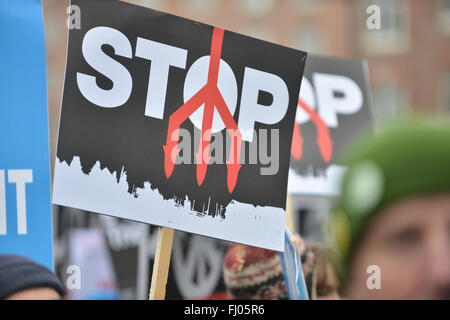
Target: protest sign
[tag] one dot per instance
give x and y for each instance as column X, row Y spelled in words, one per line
column 196, row 264
column 90, row 272
column 147, row 98
column 292, row 270
column 196, row 267
column 25, row 208
column 334, row 107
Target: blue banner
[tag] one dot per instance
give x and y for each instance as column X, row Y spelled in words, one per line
column 292, row 270
column 25, row 209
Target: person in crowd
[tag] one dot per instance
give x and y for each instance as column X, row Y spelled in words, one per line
column 23, row 279
column 326, row 276
column 252, row 273
column 392, row 222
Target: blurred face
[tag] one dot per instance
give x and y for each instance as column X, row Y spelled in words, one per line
column 410, row 243
column 35, row 294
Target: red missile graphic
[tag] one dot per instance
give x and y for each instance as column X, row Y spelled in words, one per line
column 323, row 135
column 210, row 96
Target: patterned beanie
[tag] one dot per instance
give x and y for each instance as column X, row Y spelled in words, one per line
column 252, row 273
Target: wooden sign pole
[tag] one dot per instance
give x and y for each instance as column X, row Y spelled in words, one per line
column 290, row 219
column 161, row 264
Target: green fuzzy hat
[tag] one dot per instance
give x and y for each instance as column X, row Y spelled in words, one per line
column 412, row 158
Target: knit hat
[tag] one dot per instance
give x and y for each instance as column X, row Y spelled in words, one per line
column 252, row 273
column 410, row 159
column 18, row 273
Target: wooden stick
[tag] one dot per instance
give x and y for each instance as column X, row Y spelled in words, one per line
column 290, row 219
column 161, row 264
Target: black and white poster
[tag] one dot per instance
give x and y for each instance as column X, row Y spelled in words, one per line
column 196, row 262
column 334, row 108
column 176, row 123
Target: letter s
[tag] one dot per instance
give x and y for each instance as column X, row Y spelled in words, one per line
column 97, row 59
